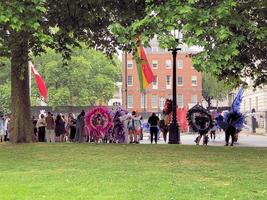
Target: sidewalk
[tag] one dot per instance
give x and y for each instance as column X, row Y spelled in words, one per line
column 244, row 140
column 259, row 131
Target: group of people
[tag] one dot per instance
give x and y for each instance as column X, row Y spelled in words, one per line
column 59, row 129
column 135, row 128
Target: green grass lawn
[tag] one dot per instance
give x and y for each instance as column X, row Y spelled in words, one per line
column 125, row 172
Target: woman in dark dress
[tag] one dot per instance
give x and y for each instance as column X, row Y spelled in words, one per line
column 60, row 128
column 72, row 128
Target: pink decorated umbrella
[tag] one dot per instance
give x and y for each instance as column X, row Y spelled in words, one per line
column 98, row 120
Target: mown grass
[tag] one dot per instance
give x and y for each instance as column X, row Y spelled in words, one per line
column 122, row 172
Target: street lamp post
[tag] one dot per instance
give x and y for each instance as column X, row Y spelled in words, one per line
column 174, row 132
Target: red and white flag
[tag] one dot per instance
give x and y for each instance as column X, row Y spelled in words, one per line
column 40, row 82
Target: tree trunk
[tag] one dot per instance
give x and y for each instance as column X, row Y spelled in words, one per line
column 21, row 125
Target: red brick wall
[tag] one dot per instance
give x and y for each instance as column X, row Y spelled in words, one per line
column 187, row 90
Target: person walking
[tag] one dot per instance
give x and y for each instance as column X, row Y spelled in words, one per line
column 80, row 127
column 213, row 132
column 134, row 128
column 254, row 123
column 153, row 120
column 50, row 129
column 6, row 125
column 41, row 125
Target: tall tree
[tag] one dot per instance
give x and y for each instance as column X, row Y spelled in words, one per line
column 213, row 89
column 232, row 33
column 28, row 26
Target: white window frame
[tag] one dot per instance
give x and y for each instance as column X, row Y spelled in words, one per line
column 166, row 65
column 192, row 98
column 180, row 63
column 156, row 101
column 155, row 62
column 194, row 78
column 178, row 81
column 155, row 83
column 129, row 64
column 161, row 103
column 182, row 104
column 168, row 86
column 128, row 101
column 128, row 80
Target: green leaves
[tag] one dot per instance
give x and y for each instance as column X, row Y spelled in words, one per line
column 5, row 96
column 232, row 34
column 88, row 78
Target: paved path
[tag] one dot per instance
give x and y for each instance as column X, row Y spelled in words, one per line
column 244, row 140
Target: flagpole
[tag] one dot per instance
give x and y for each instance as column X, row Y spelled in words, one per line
column 30, row 79
column 126, row 82
column 144, row 100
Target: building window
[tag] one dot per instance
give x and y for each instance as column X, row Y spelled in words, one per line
column 154, row 64
column 130, row 80
column 180, row 101
column 168, row 64
column 180, row 64
column 194, row 80
column 168, row 82
column 161, row 103
column 129, row 64
column 155, row 83
column 154, row 49
column 194, row 99
column 143, row 100
column 154, row 100
column 130, row 101
column 180, row 81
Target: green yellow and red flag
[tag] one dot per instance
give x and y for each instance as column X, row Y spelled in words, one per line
column 145, row 73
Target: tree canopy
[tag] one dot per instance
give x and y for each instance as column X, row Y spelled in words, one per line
column 232, row 34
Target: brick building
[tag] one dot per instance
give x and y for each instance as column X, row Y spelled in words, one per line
column 189, row 81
